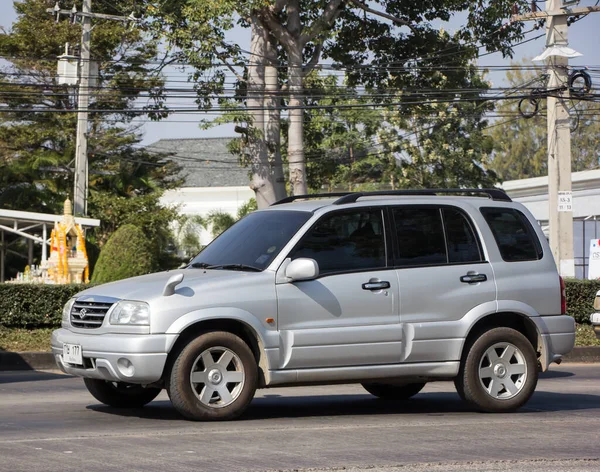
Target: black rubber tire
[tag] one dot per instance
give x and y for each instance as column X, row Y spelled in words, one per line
column 394, row 392
column 467, row 382
column 120, row 394
column 180, row 388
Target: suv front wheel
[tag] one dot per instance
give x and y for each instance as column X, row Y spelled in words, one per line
column 213, row 378
column 500, row 371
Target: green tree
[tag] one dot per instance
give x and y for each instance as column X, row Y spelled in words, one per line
column 289, row 37
column 127, row 253
column 38, row 120
column 520, row 144
column 142, row 211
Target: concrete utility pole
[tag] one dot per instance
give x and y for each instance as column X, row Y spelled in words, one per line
column 559, row 132
column 80, row 193
column 83, row 99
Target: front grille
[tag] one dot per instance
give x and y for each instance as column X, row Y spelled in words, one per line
column 89, row 314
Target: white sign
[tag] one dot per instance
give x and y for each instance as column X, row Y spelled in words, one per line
column 594, row 261
column 565, row 201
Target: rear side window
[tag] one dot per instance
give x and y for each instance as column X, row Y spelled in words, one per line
column 513, row 233
column 463, row 245
column 420, row 236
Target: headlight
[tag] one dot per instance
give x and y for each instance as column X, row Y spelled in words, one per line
column 130, row 313
column 66, row 314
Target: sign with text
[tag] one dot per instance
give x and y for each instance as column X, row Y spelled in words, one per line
column 565, row 201
column 594, row 260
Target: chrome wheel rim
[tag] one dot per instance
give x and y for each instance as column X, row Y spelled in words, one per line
column 502, row 371
column 217, row 377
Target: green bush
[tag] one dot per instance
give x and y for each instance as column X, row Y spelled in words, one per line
column 580, row 298
column 34, row 305
column 126, row 254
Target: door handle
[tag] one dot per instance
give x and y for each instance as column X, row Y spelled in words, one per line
column 376, row 284
column 473, row 278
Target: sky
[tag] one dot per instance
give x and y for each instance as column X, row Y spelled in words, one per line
column 584, row 37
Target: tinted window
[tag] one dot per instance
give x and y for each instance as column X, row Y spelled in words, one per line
column 462, row 243
column 255, row 240
column 420, row 236
column 346, row 241
column 513, row 233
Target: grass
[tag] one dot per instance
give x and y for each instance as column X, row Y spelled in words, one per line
column 585, row 336
column 23, row 340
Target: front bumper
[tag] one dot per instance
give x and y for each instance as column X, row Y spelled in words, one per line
column 595, row 319
column 105, row 355
column 557, row 336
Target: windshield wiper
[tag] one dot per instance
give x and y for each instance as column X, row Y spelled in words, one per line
column 204, row 265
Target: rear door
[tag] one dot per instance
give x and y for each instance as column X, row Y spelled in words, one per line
column 442, row 275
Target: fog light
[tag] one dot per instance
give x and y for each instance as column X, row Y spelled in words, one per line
column 125, row 367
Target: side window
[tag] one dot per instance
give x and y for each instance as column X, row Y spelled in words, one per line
column 513, row 233
column 463, row 245
column 346, row 241
column 420, row 236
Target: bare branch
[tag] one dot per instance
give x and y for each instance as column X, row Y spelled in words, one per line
column 229, row 66
column 314, row 60
column 330, row 13
column 395, row 19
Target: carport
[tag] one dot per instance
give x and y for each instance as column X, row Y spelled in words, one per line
column 35, row 228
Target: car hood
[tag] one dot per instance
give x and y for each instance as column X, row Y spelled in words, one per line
column 150, row 287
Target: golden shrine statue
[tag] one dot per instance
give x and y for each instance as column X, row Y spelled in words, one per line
column 68, row 261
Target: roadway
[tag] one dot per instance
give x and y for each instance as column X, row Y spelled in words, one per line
column 49, row 422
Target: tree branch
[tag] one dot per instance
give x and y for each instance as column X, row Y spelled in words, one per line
column 282, row 35
column 229, row 66
column 330, row 13
column 314, row 60
column 394, row 19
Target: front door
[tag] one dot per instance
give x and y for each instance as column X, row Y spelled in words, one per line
column 349, row 314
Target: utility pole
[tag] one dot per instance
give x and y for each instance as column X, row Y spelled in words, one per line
column 80, row 193
column 559, row 133
column 83, row 99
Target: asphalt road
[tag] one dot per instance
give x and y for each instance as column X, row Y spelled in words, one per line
column 48, row 422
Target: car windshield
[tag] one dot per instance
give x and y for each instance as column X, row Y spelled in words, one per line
column 253, row 242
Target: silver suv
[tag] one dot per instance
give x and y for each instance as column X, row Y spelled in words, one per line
column 388, row 289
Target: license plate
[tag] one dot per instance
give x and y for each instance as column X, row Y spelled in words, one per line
column 72, row 354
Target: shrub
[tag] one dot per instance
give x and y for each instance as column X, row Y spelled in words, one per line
column 34, row 305
column 580, row 298
column 126, row 254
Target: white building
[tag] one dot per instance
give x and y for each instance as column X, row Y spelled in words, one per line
column 213, row 178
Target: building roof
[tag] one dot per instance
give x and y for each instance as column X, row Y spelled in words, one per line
column 205, row 162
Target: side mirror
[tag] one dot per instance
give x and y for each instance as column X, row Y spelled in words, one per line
column 302, row 269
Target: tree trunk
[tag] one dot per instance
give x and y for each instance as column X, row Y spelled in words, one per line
column 296, row 161
column 262, row 179
column 272, row 102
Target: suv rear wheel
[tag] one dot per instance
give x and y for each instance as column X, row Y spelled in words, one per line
column 500, row 371
column 393, row 392
column 213, row 378
column 120, row 394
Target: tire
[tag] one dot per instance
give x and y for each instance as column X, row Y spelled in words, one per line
column 393, row 392
column 213, row 378
column 500, row 371
column 120, row 394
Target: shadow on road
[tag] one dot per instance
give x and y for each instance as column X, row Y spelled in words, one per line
column 555, row 374
column 431, row 404
column 30, row 376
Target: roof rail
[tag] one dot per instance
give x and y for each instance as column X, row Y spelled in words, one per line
column 493, row 193
column 314, row 195
column 351, row 197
